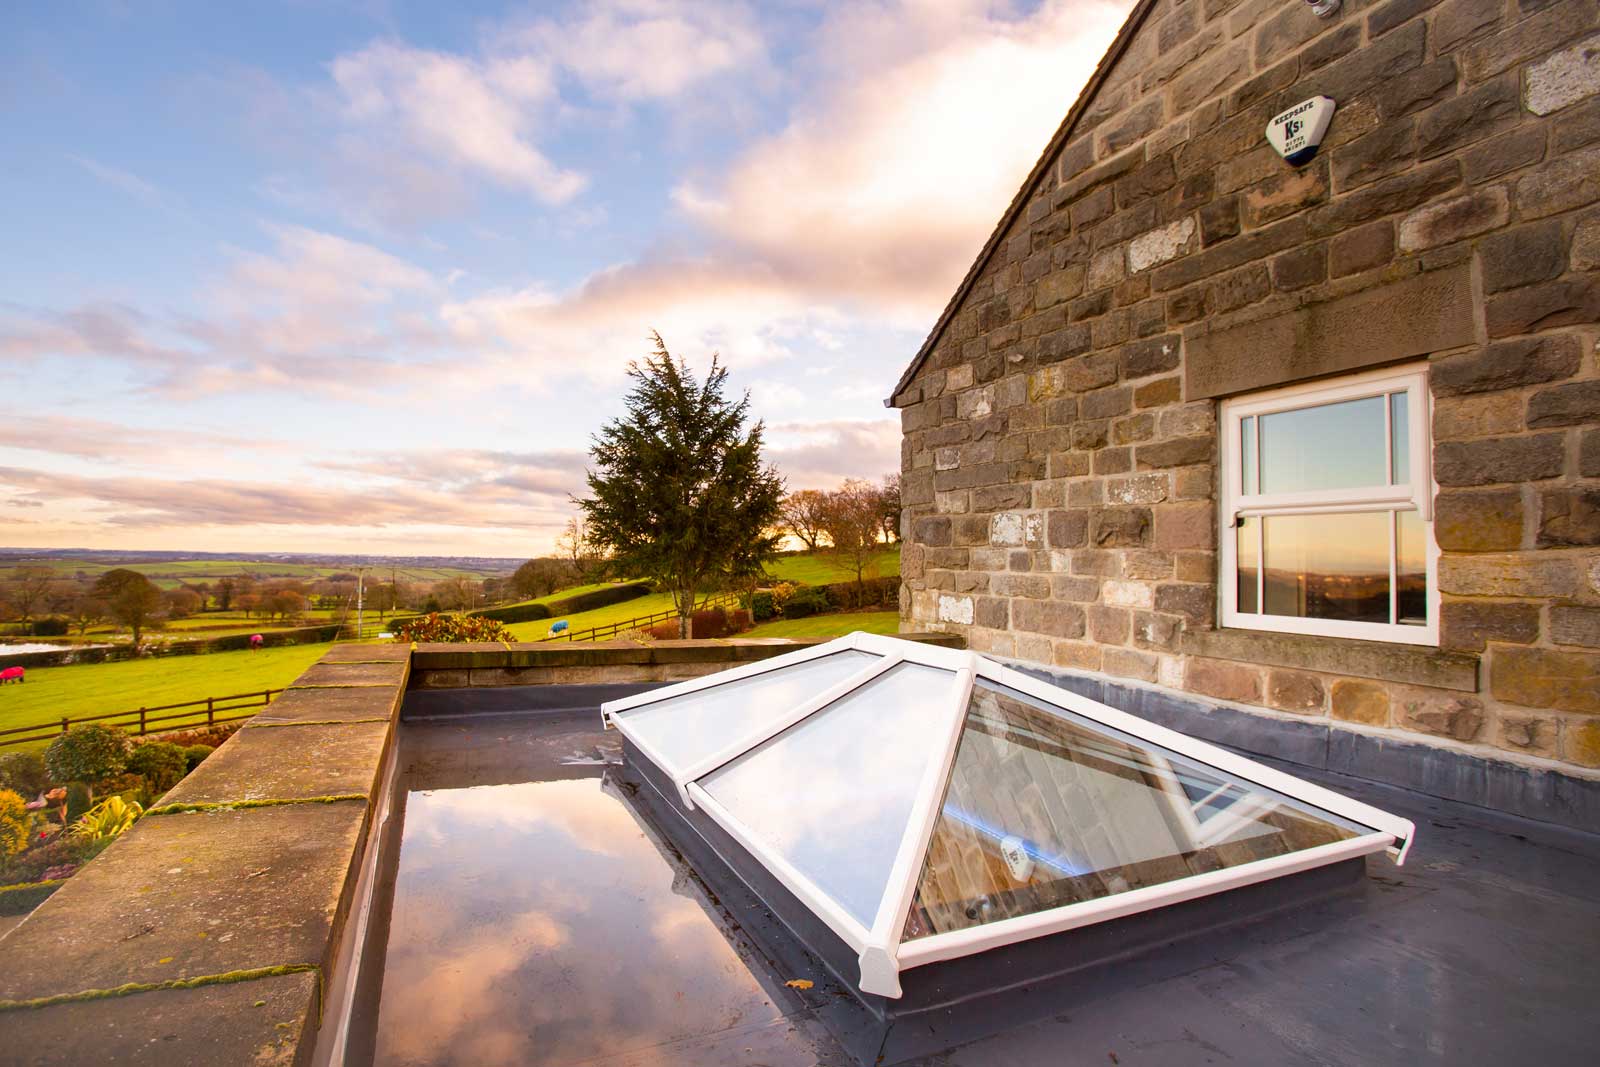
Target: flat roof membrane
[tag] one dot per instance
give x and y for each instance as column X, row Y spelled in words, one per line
column 928, row 804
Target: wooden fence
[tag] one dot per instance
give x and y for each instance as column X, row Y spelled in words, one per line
column 207, row 712
column 595, row 633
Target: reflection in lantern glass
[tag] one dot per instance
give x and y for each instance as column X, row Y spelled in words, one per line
column 1328, row 566
column 1411, row 570
column 1249, row 534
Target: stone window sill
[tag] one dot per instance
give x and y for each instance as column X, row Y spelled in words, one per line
column 1408, row 664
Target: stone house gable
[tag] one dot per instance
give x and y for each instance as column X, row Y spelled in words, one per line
column 1061, row 423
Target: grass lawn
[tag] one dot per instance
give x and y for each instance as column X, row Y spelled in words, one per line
column 872, row 622
column 649, row 604
column 824, row 568
column 96, row 688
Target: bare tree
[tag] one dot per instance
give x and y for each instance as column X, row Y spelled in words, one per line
column 889, row 507
column 86, row 610
column 541, row 577
column 851, row 520
column 803, row 514
column 29, row 590
column 458, row 594
column 131, row 598
column 585, row 557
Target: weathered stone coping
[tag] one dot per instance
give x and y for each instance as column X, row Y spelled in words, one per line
column 207, row 931
column 1409, row 664
column 439, row 666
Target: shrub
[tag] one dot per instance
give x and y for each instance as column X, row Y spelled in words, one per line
column 708, row 624
column 21, row 899
column 805, row 602
column 65, row 851
column 87, row 754
column 160, row 763
column 194, row 755
column 24, row 773
column 209, row 736
column 15, row 821
column 108, row 819
column 51, row 626
column 451, row 628
column 762, row 607
column 79, row 800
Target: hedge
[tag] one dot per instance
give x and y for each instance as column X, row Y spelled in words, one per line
column 21, row 899
column 595, row 598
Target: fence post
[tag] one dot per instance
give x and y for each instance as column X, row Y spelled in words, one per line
column 141, row 722
column 65, row 724
column 211, row 716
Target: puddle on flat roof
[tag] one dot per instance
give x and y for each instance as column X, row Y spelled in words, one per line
column 540, row 922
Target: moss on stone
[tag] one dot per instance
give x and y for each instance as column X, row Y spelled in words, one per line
column 184, row 809
column 130, row 988
column 252, row 725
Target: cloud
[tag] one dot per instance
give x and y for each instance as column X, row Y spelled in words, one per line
column 128, row 182
column 820, row 455
column 883, row 184
column 479, row 115
column 110, row 442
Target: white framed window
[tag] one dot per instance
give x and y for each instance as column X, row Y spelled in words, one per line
column 1327, row 509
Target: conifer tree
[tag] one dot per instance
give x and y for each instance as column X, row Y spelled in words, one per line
column 679, row 492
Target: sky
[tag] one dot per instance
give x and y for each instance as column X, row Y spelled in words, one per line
column 365, row 277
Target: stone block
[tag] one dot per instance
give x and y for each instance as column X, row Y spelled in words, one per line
column 1051, row 617
column 392, row 675
column 1223, row 680
column 1545, row 678
column 1580, row 742
column 1564, row 302
column 1151, row 630
column 932, row 530
column 1295, row 691
column 1589, row 454
column 1416, row 316
column 1153, row 355
column 263, row 1022
column 992, row 612
column 1120, row 527
column 1451, row 220
column 1498, row 460
column 1127, row 663
column 1468, row 625
column 1239, row 289
column 1394, row 13
column 1404, row 191
column 1033, row 586
column 1586, row 245
column 1081, row 655
column 1361, row 249
column 196, row 895
column 1524, row 255
column 1537, row 735
column 1300, row 267
column 1569, row 516
column 1576, row 127
column 1138, row 489
column 288, row 761
column 1185, row 525
column 1531, row 38
column 1157, row 246
column 1125, row 594
column 1381, row 661
column 1219, row 220
column 1108, row 625
column 1285, row 193
column 1416, row 90
column 1195, row 603
column 1510, row 575
column 1506, row 365
column 1467, row 118
column 1564, row 78
column 332, row 705
column 1177, row 452
column 1067, row 528
column 956, row 609
column 1574, row 625
column 1509, row 151
column 1358, row 701
column 1075, row 589
column 1565, row 405
column 1460, row 718
column 1477, row 415
column 1458, row 21
column 1389, row 149
column 1563, row 183
column 1478, row 521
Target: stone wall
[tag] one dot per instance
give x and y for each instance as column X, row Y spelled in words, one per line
column 1060, row 447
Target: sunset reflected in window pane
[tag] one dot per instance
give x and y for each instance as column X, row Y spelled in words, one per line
column 1411, row 570
column 1249, row 534
column 1328, row 566
column 1331, row 446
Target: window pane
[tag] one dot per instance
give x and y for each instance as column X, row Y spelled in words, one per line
column 832, row 795
column 1247, row 452
column 1400, row 430
column 1411, row 569
column 1046, row 809
column 691, row 727
column 1331, row 446
column 1249, row 539
column 1328, row 566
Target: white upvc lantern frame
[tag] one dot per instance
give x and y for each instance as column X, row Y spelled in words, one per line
column 881, row 952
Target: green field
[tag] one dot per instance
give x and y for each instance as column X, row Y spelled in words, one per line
column 649, row 604
column 171, row 574
column 97, row 688
column 825, row 568
column 872, row 622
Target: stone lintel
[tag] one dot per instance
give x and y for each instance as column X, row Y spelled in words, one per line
column 1408, row 664
column 1409, row 318
column 331, row 704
